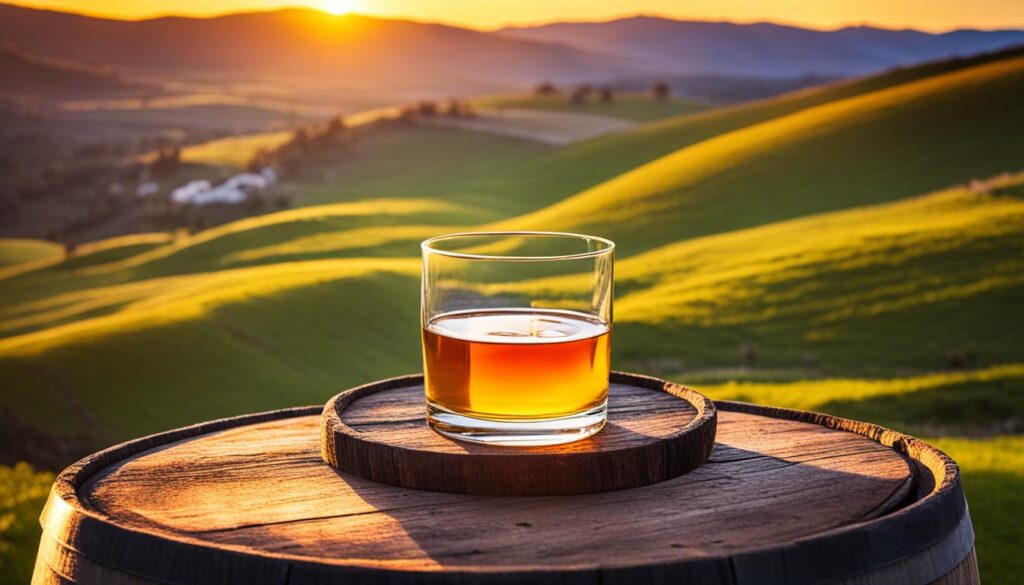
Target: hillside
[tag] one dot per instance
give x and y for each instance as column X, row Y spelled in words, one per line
column 879, row 146
column 431, row 170
column 192, row 327
column 816, row 292
column 351, row 51
column 512, row 177
column 763, row 49
column 26, row 75
column 571, row 170
column 812, row 293
column 489, row 177
column 15, row 255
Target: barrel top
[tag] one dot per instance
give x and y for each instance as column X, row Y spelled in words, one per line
column 786, row 496
column 263, row 487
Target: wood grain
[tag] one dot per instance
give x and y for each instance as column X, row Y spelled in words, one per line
column 656, row 431
column 965, row 573
column 263, row 486
column 786, row 497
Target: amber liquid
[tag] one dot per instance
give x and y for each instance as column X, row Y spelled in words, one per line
column 516, row 364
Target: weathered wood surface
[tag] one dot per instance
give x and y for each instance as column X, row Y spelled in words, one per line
column 656, row 431
column 786, row 497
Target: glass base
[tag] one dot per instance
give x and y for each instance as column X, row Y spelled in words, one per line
column 518, row 433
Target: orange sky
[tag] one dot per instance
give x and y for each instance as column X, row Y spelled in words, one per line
column 925, row 14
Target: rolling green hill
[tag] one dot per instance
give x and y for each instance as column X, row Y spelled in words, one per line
column 880, row 146
column 812, row 294
column 15, row 252
column 233, row 151
column 470, row 168
column 573, row 169
column 110, row 276
column 512, row 176
column 262, row 337
column 818, row 293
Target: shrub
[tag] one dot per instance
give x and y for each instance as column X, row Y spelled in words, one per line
column 545, row 88
column 660, row 90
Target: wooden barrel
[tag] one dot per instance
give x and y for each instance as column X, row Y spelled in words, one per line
column 786, row 497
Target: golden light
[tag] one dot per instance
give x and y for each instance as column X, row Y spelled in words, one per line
column 337, row 6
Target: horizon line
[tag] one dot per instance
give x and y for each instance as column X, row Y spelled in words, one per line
column 510, row 24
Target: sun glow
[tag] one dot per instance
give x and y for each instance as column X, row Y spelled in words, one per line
column 337, row 7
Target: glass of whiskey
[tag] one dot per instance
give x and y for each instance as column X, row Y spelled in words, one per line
column 516, row 330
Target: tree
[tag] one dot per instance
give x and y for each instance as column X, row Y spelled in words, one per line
column 406, row 115
column 336, row 126
column 579, row 94
column 260, row 159
column 660, row 90
column 301, row 140
column 606, row 95
column 456, row 108
column 545, row 88
column 168, row 160
column 426, row 108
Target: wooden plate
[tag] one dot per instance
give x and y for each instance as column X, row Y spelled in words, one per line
column 656, row 431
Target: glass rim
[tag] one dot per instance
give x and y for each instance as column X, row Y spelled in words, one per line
column 428, row 246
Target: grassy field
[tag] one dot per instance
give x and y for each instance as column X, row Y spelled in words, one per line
column 813, row 294
column 571, row 170
column 470, row 168
column 216, row 117
column 630, row 106
column 875, row 147
column 23, row 492
column 15, row 252
column 817, row 251
column 233, row 151
column 817, row 293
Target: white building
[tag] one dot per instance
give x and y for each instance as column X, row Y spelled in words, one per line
column 232, row 191
column 185, row 194
column 220, row 194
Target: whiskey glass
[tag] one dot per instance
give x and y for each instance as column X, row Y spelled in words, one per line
column 516, row 330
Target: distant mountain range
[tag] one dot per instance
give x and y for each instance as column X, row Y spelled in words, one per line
column 304, row 44
column 374, row 54
column 763, row 49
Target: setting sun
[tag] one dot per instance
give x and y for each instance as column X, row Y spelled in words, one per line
column 921, row 14
column 337, row 6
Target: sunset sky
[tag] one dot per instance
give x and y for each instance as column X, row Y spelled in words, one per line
column 933, row 15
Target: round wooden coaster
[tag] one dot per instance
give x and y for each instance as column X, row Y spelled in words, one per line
column 656, row 430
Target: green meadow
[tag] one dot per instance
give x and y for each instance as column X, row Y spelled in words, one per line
column 856, row 249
